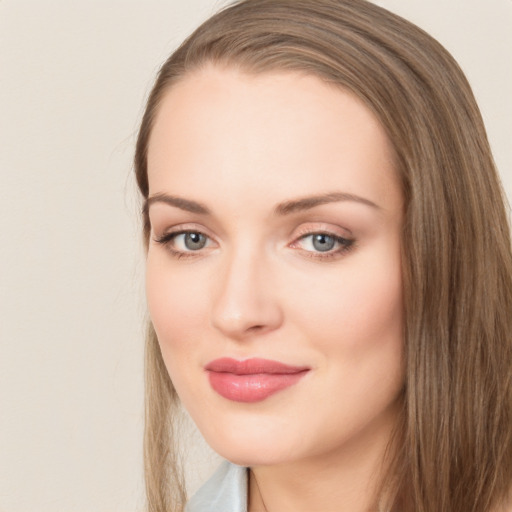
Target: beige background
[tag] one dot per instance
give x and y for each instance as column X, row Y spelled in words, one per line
column 73, row 77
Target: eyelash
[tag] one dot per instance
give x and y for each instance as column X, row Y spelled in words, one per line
column 344, row 244
column 167, row 239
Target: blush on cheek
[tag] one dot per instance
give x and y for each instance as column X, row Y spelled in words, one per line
column 370, row 315
column 163, row 292
column 177, row 308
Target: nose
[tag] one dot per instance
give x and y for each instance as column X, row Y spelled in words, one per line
column 246, row 301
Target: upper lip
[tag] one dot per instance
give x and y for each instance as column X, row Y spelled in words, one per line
column 252, row 366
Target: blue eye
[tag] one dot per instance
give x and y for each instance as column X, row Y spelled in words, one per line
column 326, row 243
column 322, row 242
column 193, row 241
column 183, row 242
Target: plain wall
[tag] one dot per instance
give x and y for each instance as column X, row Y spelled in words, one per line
column 73, row 79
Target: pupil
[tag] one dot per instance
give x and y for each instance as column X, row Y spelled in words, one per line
column 195, row 241
column 323, row 243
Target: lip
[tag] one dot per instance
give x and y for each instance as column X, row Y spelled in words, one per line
column 251, row 380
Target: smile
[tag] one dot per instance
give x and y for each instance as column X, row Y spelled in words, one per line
column 251, row 380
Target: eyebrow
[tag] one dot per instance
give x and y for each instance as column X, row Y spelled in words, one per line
column 178, row 202
column 307, row 203
column 286, row 208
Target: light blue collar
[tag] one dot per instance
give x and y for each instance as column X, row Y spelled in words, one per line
column 225, row 491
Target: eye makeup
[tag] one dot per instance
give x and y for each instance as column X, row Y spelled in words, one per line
column 318, row 244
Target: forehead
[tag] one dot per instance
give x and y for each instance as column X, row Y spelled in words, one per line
column 273, row 132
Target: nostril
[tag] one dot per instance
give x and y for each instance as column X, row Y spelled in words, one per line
column 256, row 328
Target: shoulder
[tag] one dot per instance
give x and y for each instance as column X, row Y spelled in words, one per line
column 225, row 490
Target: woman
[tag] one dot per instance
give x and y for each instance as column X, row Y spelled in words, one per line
column 329, row 272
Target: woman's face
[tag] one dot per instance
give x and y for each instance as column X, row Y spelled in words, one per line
column 273, row 271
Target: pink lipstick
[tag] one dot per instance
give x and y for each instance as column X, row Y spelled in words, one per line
column 251, row 380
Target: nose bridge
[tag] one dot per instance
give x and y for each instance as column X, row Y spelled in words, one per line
column 245, row 300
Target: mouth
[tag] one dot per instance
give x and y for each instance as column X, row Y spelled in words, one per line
column 251, row 380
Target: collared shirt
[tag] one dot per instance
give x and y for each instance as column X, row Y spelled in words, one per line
column 225, row 491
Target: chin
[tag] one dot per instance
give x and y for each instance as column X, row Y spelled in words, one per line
column 253, row 456
column 254, row 446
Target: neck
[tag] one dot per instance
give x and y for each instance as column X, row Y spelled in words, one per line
column 346, row 480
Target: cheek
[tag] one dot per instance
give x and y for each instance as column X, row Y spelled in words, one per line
column 177, row 305
column 360, row 309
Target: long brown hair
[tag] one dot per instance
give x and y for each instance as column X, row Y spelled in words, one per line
column 455, row 450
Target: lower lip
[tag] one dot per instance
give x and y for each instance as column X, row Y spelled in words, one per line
column 252, row 387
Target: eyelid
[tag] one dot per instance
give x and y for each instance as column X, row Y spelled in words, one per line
column 169, row 234
column 322, row 227
column 339, row 239
column 184, row 227
column 345, row 242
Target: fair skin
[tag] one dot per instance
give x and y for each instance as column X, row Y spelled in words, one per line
column 244, row 268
